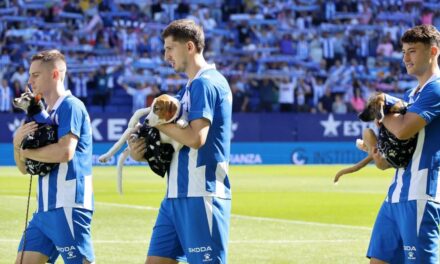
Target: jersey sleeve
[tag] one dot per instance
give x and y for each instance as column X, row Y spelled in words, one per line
column 70, row 119
column 428, row 104
column 202, row 99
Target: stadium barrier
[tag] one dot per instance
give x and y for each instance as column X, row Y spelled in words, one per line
column 256, row 138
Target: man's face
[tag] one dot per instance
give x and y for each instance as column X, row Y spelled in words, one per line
column 417, row 58
column 176, row 53
column 41, row 77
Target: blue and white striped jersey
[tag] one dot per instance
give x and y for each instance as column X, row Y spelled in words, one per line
column 419, row 180
column 204, row 171
column 70, row 183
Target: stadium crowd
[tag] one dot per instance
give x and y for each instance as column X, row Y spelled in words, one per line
column 288, row 55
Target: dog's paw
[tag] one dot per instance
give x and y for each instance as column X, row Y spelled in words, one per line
column 361, row 145
column 182, row 123
column 103, row 158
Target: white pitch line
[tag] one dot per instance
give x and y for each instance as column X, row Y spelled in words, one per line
column 244, row 217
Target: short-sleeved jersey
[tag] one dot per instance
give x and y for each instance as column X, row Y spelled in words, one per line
column 204, row 171
column 70, row 183
column 419, row 180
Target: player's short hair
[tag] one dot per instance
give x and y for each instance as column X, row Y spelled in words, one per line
column 426, row 34
column 184, row 30
column 52, row 58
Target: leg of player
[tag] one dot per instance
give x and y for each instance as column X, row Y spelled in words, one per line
column 31, row 257
column 376, row 261
column 160, row 260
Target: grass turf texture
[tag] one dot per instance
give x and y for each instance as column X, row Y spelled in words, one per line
column 281, row 214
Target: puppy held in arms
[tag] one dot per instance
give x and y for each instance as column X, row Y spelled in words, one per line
column 46, row 133
column 164, row 109
column 394, row 152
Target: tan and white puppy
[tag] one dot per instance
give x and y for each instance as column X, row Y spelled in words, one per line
column 164, row 109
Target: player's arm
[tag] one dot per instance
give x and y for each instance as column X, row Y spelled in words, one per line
column 404, row 126
column 20, row 134
column 193, row 136
column 62, row 151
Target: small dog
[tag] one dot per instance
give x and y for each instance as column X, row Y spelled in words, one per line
column 395, row 152
column 46, row 133
column 164, row 109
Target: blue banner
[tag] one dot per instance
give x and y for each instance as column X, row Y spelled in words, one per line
column 254, row 127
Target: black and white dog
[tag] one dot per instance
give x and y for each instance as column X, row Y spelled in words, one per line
column 396, row 153
column 46, row 133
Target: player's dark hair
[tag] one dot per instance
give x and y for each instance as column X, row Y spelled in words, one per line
column 184, row 30
column 426, row 34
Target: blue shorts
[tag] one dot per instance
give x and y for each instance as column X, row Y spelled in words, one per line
column 406, row 232
column 64, row 231
column 193, row 229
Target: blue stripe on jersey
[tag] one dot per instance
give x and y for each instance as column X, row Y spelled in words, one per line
column 40, row 192
column 433, row 176
column 406, row 179
column 52, row 199
column 182, row 171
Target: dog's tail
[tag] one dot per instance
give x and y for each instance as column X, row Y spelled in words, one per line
column 353, row 168
column 120, row 165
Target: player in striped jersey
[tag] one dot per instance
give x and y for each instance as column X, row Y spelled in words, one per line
column 193, row 220
column 61, row 224
column 406, row 228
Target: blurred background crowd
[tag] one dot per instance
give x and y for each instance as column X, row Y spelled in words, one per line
column 318, row 56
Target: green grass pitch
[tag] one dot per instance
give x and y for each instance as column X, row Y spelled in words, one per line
column 280, row 214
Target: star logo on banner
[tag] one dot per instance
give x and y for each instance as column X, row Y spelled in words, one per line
column 330, row 126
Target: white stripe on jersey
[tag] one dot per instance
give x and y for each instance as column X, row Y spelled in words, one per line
column 208, row 209
column 88, row 192
column 172, row 176
column 45, row 191
column 66, row 190
column 68, row 214
column 419, row 179
column 196, row 175
column 220, row 174
column 396, row 194
column 421, row 204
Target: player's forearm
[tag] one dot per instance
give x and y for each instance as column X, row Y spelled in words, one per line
column 53, row 153
column 187, row 136
column 403, row 126
column 20, row 163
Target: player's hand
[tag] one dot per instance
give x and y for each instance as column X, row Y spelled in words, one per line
column 22, row 132
column 379, row 160
column 138, row 147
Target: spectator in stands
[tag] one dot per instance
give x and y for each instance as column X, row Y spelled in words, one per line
column 140, row 94
column 268, row 94
column 286, row 93
column 357, row 101
column 240, row 98
column 325, row 103
column 385, row 48
column 339, row 106
column 101, row 88
column 80, row 86
column 5, row 96
column 21, row 76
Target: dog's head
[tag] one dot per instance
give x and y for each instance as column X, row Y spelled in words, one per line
column 27, row 101
column 374, row 108
column 164, row 109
